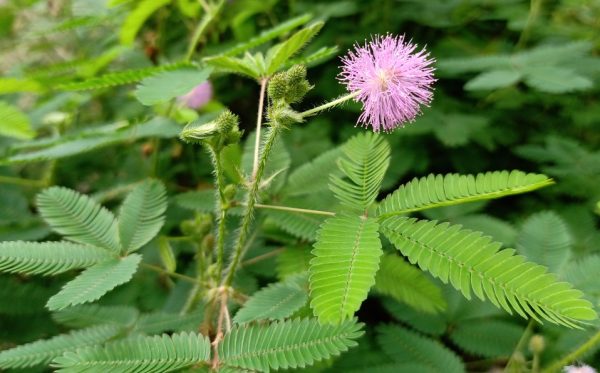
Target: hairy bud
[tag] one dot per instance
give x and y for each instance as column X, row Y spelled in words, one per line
column 220, row 132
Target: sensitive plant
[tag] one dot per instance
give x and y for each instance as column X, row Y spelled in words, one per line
column 345, row 239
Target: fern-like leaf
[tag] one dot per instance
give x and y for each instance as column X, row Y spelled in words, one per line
column 487, row 338
column 346, row 259
column 286, row 344
column 293, row 260
column 141, row 354
column 283, row 51
column 43, row 351
column 92, row 314
column 407, row 284
column 136, row 18
column 113, row 79
column 48, row 258
column 94, row 282
column 276, row 301
column 365, row 161
column 472, row 261
column 79, row 218
column 545, row 239
column 142, row 214
column 405, row 346
column 437, row 190
column 308, row 178
column 159, row 322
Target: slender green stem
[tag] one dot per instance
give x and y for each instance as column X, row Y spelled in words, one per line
column 261, row 100
column 520, row 345
column 294, row 209
column 534, row 11
column 580, row 351
column 191, row 300
column 251, row 198
column 262, row 257
column 221, row 208
column 22, row 182
column 209, row 16
column 165, row 272
column 329, row 104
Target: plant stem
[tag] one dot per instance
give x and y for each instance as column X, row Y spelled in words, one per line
column 520, row 345
column 22, row 182
column 294, row 209
column 329, row 104
column 221, row 208
column 581, row 350
column 172, row 274
column 251, row 198
column 209, row 16
column 261, row 99
column 262, row 257
column 534, row 10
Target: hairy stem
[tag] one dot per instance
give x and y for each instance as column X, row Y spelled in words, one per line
column 259, row 258
column 580, row 351
column 251, row 198
column 211, row 13
column 520, row 345
column 22, row 182
column 261, row 100
column 534, row 11
column 294, row 209
column 330, row 104
column 221, row 208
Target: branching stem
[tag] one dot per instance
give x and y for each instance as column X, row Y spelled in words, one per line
column 168, row 273
column 221, row 208
column 211, row 13
column 580, row 351
column 330, row 104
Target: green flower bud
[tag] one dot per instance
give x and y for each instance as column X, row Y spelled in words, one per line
column 227, row 122
column 277, row 86
column 285, row 116
column 197, row 131
column 537, row 344
column 229, row 192
column 297, row 86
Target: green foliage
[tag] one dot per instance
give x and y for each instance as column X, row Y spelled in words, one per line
column 286, row 344
column 79, row 218
column 280, row 53
column 48, row 258
column 118, row 78
column 13, row 123
column 137, row 17
column 140, row 354
column 437, row 190
column 346, row 258
column 545, row 239
column 276, row 301
column 404, row 346
column 86, row 141
column 365, row 161
column 407, row 284
column 167, row 85
column 293, row 260
column 142, row 215
column 308, row 178
column 43, row 351
column 94, row 282
column 487, row 338
column 471, row 261
column 86, row 315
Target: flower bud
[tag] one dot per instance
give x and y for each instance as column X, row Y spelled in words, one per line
column 229, row 192
column 537, row 344
column 198, row 131
column 220, row 132
column 277, row 86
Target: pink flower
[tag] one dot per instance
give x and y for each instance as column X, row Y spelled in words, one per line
column 197, row 97
column 390, row 79
column 579, row 369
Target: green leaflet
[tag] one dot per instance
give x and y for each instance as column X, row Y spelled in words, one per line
column 545, row 239
column 407, row 284
column 365, row 161
column 404, row 346
column 471, row 261
column 293, row 260
column 286, row 344
column 48, row 258
column 79, row 218
column 346, row 258
column 167, row 85
column 142, row 215
column 139, row 354
column 488, row 338
column 43, row 351
column 92, row 314
column 437, row 190
column 94, row 282
column 275, row 302
column 280, row 53
column 14, row 123
column 309, row 178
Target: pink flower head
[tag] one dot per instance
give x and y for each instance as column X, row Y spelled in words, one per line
column 579, row 369
column 197, row 97
column 390, row 79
